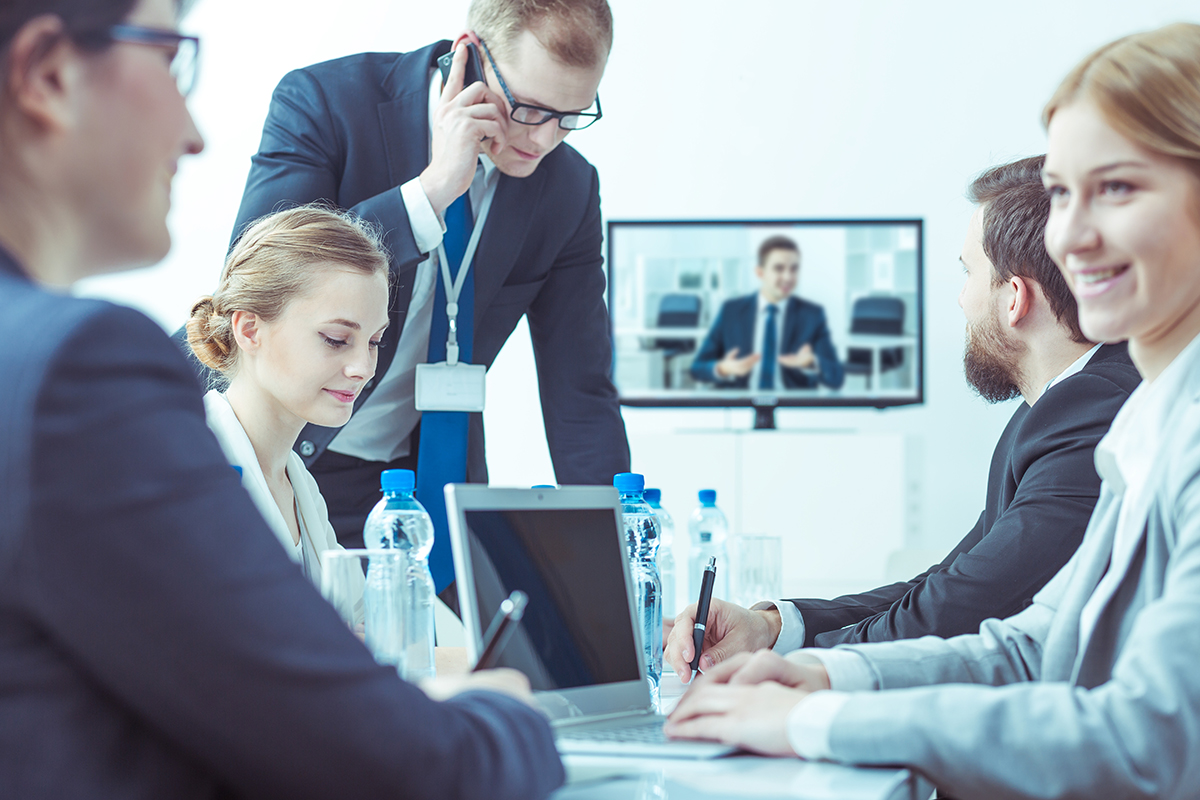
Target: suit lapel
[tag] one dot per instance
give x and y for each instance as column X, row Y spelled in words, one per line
column 791, row 327
column 749, row 309
column 509, row 220
column 404, row 121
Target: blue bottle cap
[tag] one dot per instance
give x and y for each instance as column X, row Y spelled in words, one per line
column 397, row 480
column 629, row 482
column 653, row 496
column 708, row 497
column 543, row 486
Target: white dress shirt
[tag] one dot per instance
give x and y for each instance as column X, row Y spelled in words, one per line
column 316, row 534
column 381, row 429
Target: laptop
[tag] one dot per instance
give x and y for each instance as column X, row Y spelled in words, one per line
column 578, row 642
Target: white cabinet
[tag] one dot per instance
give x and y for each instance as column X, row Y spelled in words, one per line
column 836, row 499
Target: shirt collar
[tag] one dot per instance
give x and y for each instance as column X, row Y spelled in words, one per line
column 435, row 95
column 1076, row 366
column 1126, row 454
column 762, row 303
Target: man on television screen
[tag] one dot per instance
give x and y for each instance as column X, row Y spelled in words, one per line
column 770, row 340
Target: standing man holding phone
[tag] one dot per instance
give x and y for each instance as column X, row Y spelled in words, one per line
column 487, row 218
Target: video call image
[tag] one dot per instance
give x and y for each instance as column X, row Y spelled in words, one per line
column 798, row 312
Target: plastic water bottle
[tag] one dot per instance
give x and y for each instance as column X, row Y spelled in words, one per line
column 400, row 522
column 641, row 538
column 666, row 556
column 708, row 529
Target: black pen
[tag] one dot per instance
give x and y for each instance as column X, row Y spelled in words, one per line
column 706, row 586
column 505, row 622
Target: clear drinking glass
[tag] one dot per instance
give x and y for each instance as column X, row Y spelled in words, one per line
column 369, row 590
column 757, row 568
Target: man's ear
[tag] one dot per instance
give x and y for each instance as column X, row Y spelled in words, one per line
column 467, row 37
column 246, row 330
column 43, row 68
column 1019, row 296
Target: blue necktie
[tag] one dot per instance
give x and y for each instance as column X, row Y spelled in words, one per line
column 442, row 452
column 766, row 375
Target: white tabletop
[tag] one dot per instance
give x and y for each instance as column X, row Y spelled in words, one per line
column 604, row 777
column 737, row 776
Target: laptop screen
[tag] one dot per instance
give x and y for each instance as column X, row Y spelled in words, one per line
column 577, row 629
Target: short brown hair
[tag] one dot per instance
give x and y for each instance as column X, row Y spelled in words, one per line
column 272, row 263
column 775, row 243
column 578, row 33
column 1147, row 86
column 1015, row 209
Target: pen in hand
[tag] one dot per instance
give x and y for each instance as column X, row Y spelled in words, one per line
column 706, row 589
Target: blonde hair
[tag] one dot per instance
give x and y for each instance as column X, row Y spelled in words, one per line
column 271, row 264
column 578, row 33
column 1147, row 86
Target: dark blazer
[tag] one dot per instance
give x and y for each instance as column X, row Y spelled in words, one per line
column 351, row 132
column 1041, row 491
column 803, row 323
column 155, row 639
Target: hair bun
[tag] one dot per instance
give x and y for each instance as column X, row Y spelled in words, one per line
column 209, row 334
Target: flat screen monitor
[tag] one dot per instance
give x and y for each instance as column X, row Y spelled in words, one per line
column 767, row 313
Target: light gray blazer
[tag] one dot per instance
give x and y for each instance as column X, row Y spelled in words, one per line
column 1107, row 710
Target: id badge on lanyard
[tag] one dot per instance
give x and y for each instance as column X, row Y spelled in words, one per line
column 451, row 385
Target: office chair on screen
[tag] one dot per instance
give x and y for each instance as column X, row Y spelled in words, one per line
column 875, row 316
column 676, row 311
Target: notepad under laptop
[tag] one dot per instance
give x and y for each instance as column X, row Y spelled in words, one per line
column 578, row 641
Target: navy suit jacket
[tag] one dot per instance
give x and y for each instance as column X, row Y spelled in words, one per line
column 1041, row 490
column 155, row 639
column 803, row 323
column 351, row 132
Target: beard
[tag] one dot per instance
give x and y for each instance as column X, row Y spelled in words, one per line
column 991, row 362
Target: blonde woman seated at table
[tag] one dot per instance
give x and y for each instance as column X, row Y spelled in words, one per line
column 294, row 328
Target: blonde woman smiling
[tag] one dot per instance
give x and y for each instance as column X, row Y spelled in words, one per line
column 1092, row 691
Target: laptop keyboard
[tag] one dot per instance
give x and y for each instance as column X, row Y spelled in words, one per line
column 649, row 732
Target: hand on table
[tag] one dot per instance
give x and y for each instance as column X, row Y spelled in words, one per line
column 804, row 358
column 733, row 367
column 730, row 629
column 745, row 701
column 465, row 123
column 505, row 681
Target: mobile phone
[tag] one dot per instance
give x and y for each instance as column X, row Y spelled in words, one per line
column 503, row 625
column 474, row 70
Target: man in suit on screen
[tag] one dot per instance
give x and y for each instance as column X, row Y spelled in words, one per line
column 770, row 340
column 427, row 158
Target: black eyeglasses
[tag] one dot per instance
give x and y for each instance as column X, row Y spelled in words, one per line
column 184, row 58
column 526, row 114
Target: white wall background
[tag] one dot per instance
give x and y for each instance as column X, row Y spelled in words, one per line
column 759, row 109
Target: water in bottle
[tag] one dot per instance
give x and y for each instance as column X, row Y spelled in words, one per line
column 666, row 556
column 641, row 539
column 708, row 529
column 400, row 522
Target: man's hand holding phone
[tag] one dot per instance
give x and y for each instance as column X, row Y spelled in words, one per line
column 467, row 121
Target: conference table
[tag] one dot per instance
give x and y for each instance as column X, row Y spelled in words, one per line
column 735, row 776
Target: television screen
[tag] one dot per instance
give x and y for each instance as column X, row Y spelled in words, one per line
column 766, row 313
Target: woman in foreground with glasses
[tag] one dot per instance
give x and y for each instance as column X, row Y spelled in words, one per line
column 1094, row 689
column 294, row 329
column 154, row 639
